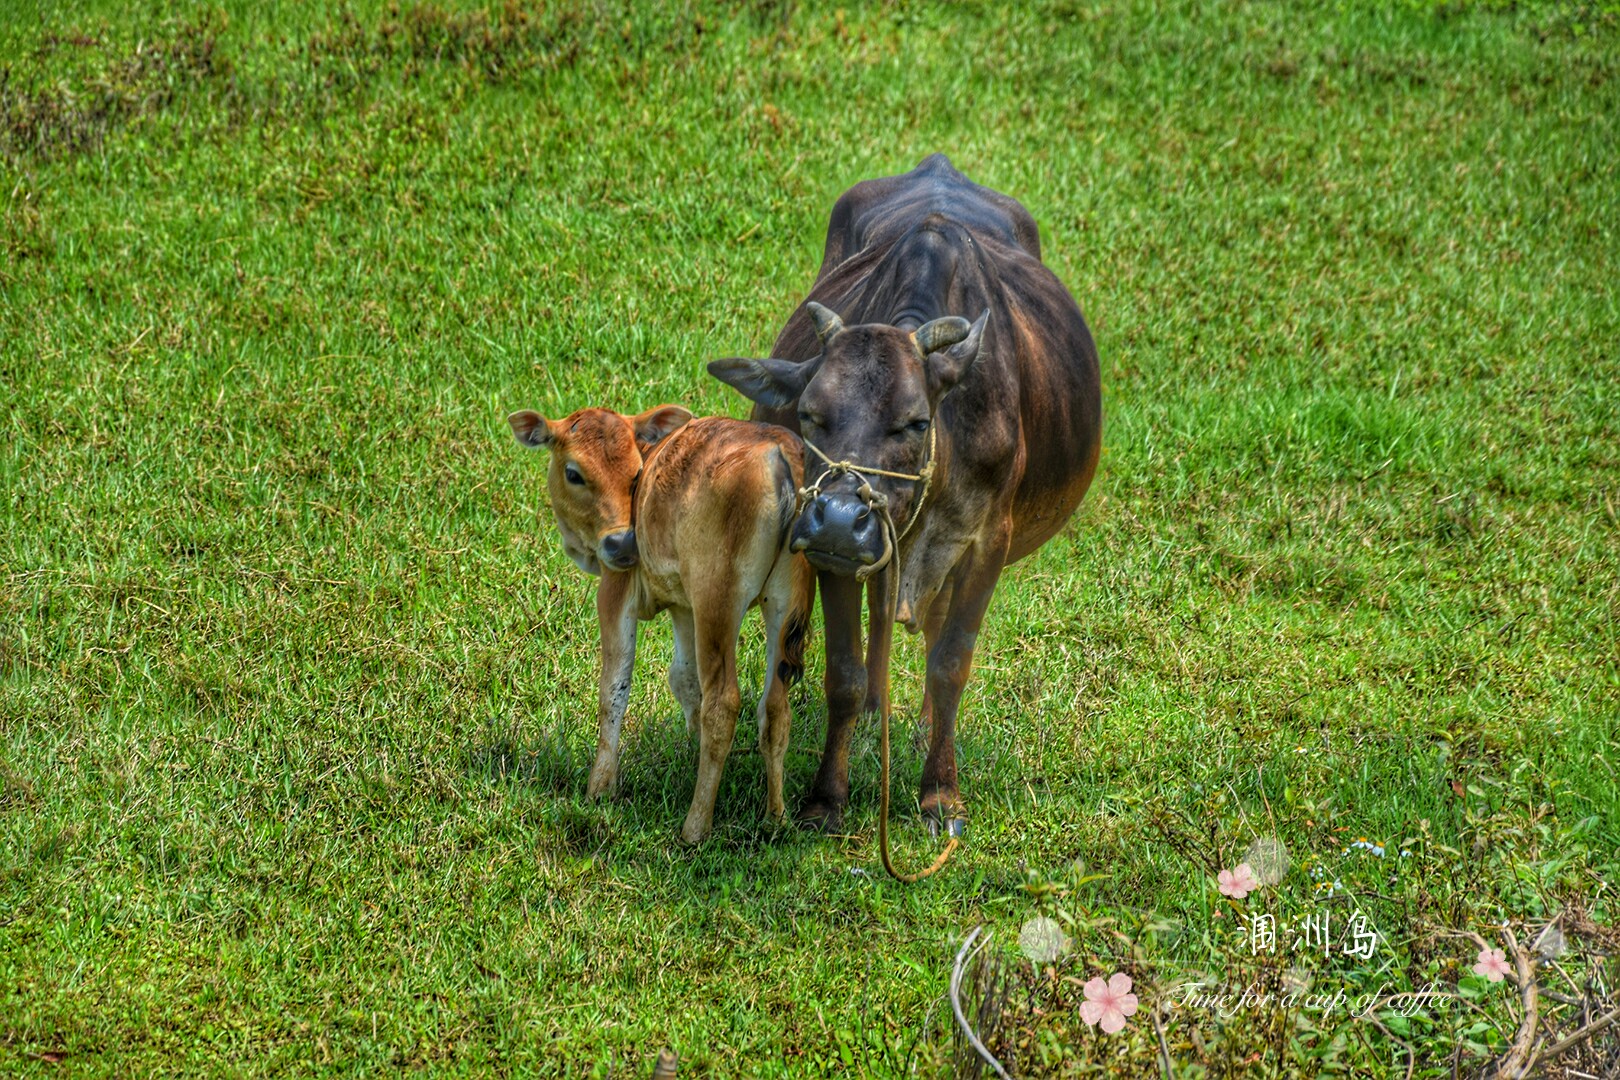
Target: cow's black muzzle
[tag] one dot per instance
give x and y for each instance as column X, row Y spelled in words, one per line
column 838, row 533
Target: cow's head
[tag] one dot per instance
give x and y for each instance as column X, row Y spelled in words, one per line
column 596, row 456
column 869, row 398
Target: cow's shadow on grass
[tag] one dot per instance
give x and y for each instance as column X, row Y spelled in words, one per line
column 545, row 765
column 543, row 758
column 549, row 761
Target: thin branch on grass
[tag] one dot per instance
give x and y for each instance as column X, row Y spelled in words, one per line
column 1521, row 1056
column 1164, row 1044
column 956, row 1005
column 1579, row 1036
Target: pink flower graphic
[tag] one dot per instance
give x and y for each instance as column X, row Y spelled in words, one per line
column 1108, row 1002
column 1238, row 883
column 1492, row 964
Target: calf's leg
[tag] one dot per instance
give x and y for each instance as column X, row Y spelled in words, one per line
column 716, row 633
column 683, row 672
column 617, row 622
column 790, row 593
column 774, row 719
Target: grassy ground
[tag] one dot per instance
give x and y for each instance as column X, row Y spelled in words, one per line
column 296, row 686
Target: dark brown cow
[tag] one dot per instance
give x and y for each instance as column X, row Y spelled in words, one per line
column 877, row 368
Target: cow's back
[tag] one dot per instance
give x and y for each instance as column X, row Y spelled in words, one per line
column 875, row 213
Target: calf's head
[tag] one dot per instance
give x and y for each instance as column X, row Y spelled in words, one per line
column 869, row 399
column 596, row 456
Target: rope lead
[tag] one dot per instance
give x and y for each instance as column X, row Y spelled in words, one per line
column 878, row 503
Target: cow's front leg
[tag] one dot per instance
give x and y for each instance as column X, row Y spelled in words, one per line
column 950, row 661
column 879, row 640
column 933, row 627
column 845, row 685
column 617, row 622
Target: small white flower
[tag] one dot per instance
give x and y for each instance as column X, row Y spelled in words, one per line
column 1268, row 858
column 1042, row 940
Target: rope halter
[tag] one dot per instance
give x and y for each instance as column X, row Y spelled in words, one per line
column 875, row 501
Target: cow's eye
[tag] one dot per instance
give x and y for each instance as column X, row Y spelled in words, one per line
column 919, row 426
column 807, row 419
column 572, row 474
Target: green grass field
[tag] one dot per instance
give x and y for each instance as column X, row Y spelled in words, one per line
column 297, row 688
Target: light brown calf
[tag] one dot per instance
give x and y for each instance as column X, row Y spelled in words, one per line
column 690, row 516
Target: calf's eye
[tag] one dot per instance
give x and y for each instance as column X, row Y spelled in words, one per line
column 572, row 474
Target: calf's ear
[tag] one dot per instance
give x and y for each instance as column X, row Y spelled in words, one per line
column 654, row 424
column 947, row 364
column 775, row 384
column 530, row 428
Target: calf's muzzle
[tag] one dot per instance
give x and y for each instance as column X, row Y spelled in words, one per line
column 618, row 549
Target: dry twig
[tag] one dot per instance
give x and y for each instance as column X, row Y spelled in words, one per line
column 956, row 1005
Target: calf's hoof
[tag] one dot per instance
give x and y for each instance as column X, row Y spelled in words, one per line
column 820, row 816
column 955, row 827
column 601, row 785
column 694, row 833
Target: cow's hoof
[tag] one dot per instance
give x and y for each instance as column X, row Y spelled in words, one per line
column 942, row 811
column 821, row 817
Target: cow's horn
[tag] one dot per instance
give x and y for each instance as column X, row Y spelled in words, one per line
column 941, row 333
column 827, row 323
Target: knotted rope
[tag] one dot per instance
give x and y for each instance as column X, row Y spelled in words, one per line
column 875, row 501
column 878, row 503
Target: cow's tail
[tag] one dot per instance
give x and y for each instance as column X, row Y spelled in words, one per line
column 796, row 627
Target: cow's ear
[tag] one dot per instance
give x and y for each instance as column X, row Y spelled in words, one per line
column 530, row 428
column 654, row 424
column 775, row 384
column 947, row 365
